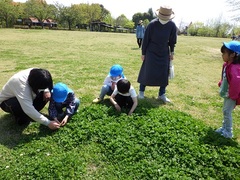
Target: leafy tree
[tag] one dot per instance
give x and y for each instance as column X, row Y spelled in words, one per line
column 104, row 13
column 39, row 9
column 8, row 12
column 137, row 17
column 194, row 28
column 203, row 31
column 236, row 30
column 217, row 26
column 146, row 22
column 151, row 15
column 67, row 16
column 53, row 12
column 82, row 14
column 121, row 20
column 94, row 12
column 225, row 30
column 129, row 24
column 109, row 19
column 146, row 15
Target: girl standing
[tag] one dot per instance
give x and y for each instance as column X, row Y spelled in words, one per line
column 229, row 85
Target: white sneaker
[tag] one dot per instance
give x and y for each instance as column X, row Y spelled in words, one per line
column 141, row 95
column 164, row 98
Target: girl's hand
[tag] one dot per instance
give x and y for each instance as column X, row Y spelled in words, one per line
column 143, row 57
column 64, row 121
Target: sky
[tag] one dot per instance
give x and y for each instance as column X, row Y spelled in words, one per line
column 186, row 11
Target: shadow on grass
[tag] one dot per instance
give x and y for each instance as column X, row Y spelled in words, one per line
column 215, row 139
column 12, row 135
column 136, row 48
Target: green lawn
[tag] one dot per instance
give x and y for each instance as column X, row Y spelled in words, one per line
column 174, row 141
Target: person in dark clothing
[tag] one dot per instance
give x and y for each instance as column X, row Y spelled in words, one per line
column 157, row 50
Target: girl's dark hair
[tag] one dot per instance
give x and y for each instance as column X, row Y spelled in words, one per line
column 123, row 86
column 236, row 59
column 40, row 79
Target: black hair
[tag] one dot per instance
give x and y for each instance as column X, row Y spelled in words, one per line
column 236, row 59
column 123, row 86
column 40, row 79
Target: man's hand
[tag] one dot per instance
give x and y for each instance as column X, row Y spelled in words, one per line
column 54, row 125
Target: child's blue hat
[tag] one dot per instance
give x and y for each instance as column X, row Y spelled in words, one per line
column 116, row 70
column 233, row 45
column 60, row 92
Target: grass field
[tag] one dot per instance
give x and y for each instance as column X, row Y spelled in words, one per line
column 100, row 144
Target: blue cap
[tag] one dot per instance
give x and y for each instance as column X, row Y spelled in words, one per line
column 60, row 92
column 233, row 45
column 116, row 70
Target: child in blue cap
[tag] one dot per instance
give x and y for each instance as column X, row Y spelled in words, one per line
column 114, row 75
column 62, row 97
column 229, row 85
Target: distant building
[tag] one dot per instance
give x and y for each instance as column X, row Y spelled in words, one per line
column 34, row 22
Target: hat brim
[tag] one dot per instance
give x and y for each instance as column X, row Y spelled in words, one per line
column 115, row 75
column 164, row 18
column 227, row 44
column 60, row 99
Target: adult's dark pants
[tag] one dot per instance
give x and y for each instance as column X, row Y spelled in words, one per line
column 13, row 107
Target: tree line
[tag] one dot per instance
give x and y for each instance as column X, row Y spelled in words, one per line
column 83, row 14
column 65, row 16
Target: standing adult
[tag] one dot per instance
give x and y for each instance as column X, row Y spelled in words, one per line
column 157, row 51
column 140, row 30
column 25, row 94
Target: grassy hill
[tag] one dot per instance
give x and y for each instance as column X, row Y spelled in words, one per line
column 174, row 141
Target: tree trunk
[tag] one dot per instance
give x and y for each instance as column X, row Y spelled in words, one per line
column 69, row 25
